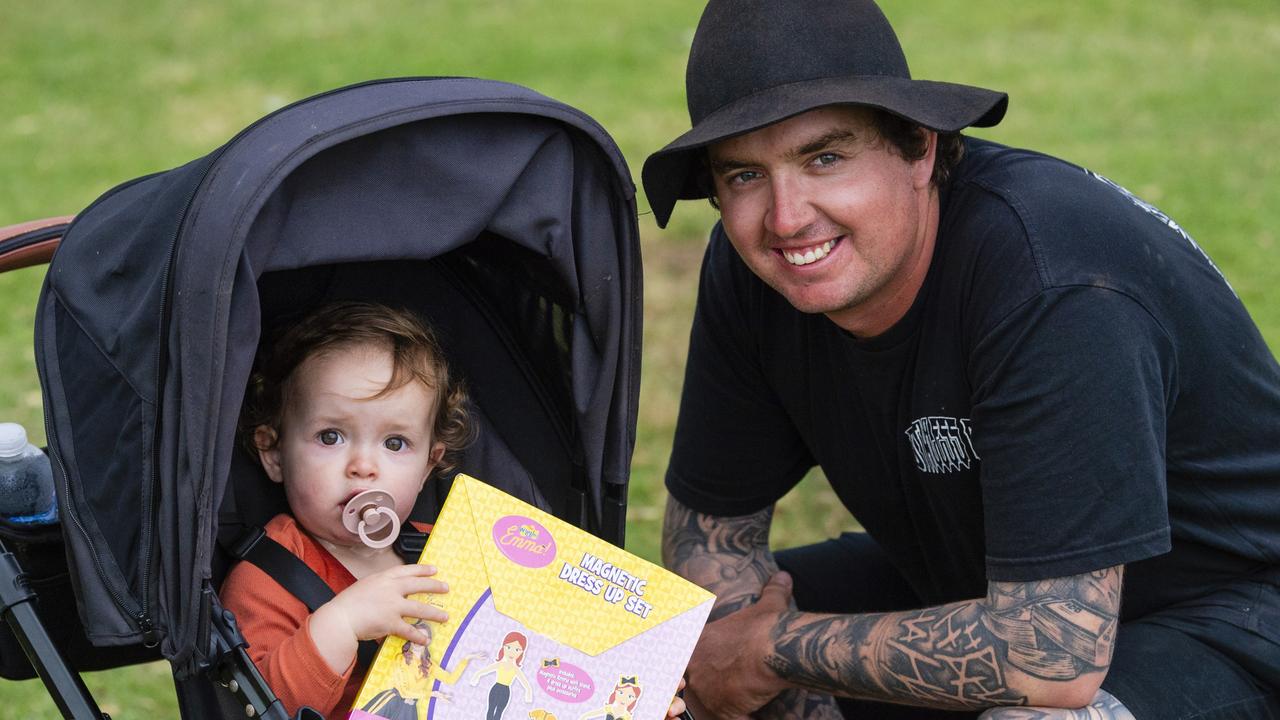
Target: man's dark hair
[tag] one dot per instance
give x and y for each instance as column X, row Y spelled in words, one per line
column 904, row 136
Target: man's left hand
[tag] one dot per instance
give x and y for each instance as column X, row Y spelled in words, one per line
column 727, row 672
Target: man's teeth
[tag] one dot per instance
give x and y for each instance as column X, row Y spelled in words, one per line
column 808, row 256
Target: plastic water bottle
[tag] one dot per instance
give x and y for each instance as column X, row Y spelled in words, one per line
column 26, row 479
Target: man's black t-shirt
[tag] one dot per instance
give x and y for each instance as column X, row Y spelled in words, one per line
column 1075, row 387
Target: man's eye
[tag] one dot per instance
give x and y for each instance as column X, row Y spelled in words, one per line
column 743, row 177
column 394, row 444
column 329, row 437
column 826, row 159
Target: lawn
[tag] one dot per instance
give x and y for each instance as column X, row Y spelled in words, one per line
column 1175, row 99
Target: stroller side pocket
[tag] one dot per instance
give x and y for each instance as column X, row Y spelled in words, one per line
column 40, row 554
column 103, row 473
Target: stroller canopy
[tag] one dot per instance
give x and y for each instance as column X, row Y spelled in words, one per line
column 507, row 217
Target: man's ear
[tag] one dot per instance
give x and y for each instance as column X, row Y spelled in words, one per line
column 267, row 441
column 922, row 170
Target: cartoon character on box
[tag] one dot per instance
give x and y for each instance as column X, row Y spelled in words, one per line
column 411, row 682
column 505, row 670
column 622, row 701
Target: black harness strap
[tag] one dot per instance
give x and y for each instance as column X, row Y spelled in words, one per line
column 295, row 576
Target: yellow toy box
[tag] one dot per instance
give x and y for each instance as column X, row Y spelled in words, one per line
column 546, row 622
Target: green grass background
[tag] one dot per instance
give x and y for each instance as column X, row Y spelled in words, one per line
column 1175, row 99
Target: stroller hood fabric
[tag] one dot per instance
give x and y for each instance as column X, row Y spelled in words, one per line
column 150, row 314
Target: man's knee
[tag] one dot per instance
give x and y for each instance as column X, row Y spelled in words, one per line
column 1104, row 707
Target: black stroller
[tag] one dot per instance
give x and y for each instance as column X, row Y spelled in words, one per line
column 507, row 219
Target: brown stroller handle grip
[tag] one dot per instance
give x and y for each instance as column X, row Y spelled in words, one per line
column 31, row 243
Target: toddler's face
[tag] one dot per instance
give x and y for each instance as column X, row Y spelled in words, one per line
column 337, row 439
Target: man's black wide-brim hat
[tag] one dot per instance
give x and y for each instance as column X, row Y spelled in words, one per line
column 756, row 62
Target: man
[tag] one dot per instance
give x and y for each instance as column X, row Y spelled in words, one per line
column 1049, row 410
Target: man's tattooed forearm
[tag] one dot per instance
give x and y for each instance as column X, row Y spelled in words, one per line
column 686, row 531
column 728, row 556
column 956, row 655
column 938, row 657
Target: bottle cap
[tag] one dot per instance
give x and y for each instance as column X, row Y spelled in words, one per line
column 13, row 439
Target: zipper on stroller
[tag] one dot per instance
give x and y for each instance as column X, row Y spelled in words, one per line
column 139, row 614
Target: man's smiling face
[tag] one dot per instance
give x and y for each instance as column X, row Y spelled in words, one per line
column 830, row 215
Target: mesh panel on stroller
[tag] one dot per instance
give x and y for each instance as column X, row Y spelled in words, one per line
column 506, row 219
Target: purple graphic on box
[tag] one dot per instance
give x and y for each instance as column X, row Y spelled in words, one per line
column 524, row 541
column 562, row 685
column 565, row 681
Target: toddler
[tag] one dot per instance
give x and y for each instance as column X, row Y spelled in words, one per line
column 355, row 397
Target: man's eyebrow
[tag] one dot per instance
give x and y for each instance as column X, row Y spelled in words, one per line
column 822, row 142
column 719, row 166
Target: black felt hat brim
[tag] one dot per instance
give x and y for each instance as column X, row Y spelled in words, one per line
column 671, row 173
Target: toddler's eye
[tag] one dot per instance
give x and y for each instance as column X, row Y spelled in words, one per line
column 329, row 437
column 394, row 444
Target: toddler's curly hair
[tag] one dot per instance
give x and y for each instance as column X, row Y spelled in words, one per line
column 416, row 357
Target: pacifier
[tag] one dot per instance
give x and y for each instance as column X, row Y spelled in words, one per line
column 372, row 516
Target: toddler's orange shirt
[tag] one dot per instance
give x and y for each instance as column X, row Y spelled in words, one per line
column 275, row 624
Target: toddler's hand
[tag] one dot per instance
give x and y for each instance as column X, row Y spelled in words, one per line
column 374, row 607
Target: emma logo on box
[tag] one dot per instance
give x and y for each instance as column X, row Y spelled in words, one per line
column 524, row 541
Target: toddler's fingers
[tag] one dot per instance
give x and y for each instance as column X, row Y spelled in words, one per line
column 411, row 570
column 425, row 611
column 415, row 585
column 411, row 633
column 422, row 570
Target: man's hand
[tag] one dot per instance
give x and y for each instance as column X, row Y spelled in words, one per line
column 727, row 673
column 677, row 706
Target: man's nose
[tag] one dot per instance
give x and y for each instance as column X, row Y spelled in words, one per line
column 790, row 211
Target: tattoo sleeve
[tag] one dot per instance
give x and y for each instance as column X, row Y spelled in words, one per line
column 961, row 655
column 730, row 557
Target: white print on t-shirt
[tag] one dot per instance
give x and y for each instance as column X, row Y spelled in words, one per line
column 1155, row 212
column 942, row 444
